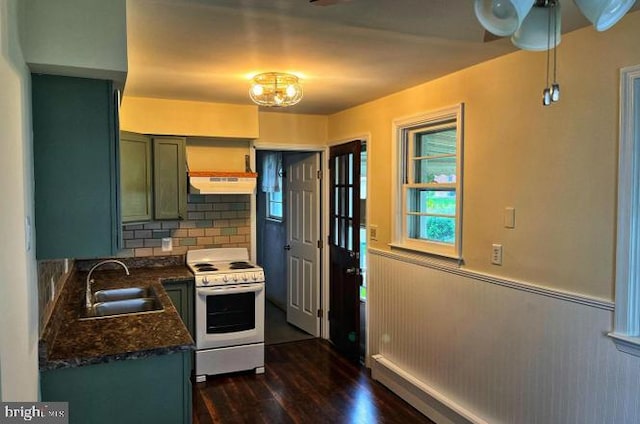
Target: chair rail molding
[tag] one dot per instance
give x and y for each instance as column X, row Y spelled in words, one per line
column 626, row 332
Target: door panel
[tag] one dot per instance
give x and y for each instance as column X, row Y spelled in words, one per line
column 302, row 200
column 344, row 255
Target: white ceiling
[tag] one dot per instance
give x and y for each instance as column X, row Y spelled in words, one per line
column 346, row 54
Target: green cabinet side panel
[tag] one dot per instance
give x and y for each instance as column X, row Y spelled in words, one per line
column 75, row 167
column 181, row 294
column 135, row 177
column 169, row 177
column 154, row 390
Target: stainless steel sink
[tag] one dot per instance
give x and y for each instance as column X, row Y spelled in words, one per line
column 124, row 301
column 127, row 306
column 110, row 295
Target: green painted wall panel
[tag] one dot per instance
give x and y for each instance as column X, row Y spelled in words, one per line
column 75, row 167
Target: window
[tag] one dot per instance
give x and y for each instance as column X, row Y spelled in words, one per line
column 429, row 186
column 626, row 332
column 274, row 204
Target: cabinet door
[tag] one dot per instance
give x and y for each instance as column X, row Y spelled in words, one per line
column 135, row 177
column 75, row 167
column 181, row 294
column 169, row 177
column 154, row 389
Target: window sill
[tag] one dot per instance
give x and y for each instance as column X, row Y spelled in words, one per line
column 443, row 254
column 279, row 221
column 444, row 257
column 626, row 344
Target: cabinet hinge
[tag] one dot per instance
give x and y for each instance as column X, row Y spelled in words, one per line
column 320, row 313
column 319, row 244
column 319, row 174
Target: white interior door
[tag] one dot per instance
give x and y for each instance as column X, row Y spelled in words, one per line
column 302, row 186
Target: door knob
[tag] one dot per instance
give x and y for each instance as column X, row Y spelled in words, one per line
column 287, row 247
column 352, row 271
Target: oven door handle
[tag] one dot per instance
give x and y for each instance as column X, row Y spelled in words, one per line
column 245, row 288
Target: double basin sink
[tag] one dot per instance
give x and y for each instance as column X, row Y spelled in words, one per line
column 123, row 301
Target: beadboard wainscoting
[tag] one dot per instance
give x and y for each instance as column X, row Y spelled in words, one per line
column 468, row 348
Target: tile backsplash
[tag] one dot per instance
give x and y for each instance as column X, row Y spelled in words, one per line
column 213, row 220
column 51, row 277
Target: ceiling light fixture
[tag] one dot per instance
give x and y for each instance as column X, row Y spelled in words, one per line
column 535, row 25
column 275, row 89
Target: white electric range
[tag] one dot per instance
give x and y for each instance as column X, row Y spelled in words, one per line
column 229, row 311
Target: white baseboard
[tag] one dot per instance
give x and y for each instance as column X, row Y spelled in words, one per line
column 424, row 398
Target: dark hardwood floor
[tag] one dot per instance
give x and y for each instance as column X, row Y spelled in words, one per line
column 304, row 382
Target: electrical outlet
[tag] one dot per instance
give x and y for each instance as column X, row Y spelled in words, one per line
column 496, row 254
column 373, row 232
column 167, row 244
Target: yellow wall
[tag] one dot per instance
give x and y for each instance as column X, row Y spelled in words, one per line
column 18, row 287
column 278, row 128
column 188, row 118
column 208, row 154
column 555, row 165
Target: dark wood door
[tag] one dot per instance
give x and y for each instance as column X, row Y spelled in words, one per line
column 344, row 255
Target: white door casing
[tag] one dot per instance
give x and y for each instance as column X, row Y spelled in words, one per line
column 302, row 199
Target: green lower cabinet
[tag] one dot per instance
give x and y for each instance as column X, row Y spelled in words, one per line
column 153, row 390
column 181, row 294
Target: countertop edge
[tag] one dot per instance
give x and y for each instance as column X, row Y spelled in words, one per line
column 46, row 346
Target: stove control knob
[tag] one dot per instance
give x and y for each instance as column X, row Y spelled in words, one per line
column 245, row 277
column 205, row 281
column 225, row 278
column 235, row 277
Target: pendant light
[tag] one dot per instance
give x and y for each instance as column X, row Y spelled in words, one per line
column 604, row 14
column 502, row 17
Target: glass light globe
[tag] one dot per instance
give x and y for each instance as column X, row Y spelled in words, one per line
column 502, row 9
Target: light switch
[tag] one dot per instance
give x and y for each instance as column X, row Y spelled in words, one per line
column 373, row 232
column 167, row 244
column 509, row 217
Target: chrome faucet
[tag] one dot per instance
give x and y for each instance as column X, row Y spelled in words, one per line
column 88, row 300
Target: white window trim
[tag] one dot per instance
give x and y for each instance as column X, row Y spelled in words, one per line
column 400, row 127
column 268, row 206
column 626, row 332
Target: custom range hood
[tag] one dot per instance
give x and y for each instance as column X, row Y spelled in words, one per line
column 205, row 182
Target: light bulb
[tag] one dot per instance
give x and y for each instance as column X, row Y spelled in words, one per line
column 555, row 92
column 546, row 97
column 291, row 91
column 501, row 9
column 257, row 90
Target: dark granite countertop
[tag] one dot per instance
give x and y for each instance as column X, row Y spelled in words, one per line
column 68, row 341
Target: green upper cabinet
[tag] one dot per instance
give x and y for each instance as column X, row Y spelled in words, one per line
column 135, row 177
column 169, row 177
column 75, row 167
